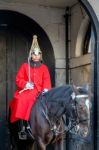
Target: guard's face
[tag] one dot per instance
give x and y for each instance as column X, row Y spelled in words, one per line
column 36, row 57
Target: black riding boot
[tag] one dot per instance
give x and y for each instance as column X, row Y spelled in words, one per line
column 22, row 133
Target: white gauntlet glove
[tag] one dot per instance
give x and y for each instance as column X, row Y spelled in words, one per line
column 29, row 85
column 44, row 91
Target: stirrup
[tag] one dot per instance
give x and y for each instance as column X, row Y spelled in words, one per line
column 22, row 135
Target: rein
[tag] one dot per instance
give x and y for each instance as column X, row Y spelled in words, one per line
column 53, row 127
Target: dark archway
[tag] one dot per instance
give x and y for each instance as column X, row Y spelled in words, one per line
column 28, row 27
column 95, row 83
column 16, row 31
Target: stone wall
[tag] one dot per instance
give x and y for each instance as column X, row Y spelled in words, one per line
column 95, row 6
column 79, row 64
column 52, row 21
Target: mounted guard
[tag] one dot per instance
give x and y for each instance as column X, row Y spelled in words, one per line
column 32, row 79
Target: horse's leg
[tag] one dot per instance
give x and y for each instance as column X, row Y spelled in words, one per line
column 38, row 145
column 59, row 145
column 41, row 145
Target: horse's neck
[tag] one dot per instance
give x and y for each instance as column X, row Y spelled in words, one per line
column 59, row 108
column 57, row 102
column 55, row 110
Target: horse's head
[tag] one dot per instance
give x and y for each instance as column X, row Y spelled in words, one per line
column 81, row 112
column 72, row 101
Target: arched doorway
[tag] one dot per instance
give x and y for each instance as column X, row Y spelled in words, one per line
column 92, row 141
column 95, row 84
column 16, row 31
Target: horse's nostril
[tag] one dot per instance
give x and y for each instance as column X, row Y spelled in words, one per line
column 84, row 132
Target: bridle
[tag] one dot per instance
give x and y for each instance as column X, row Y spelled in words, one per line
column 74, row 120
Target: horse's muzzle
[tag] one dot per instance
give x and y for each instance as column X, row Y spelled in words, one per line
column 82, row 131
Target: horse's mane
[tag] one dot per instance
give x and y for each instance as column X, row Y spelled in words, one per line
column 61, row 92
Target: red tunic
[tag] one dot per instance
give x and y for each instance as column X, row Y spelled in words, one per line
column 22, row 103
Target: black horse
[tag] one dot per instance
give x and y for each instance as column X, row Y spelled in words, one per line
column 47, row 118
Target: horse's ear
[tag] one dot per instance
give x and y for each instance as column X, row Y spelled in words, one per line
column 74, row 88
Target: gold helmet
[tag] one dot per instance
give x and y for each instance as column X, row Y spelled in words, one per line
column 35, row 49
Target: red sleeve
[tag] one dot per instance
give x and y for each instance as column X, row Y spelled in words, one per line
column 20, row 77
column 46, row 78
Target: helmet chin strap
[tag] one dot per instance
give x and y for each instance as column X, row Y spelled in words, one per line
column 29, row 78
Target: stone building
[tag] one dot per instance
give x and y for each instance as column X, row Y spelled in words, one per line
column 68, row 33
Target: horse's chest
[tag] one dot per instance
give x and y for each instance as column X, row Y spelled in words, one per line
column 52, row 136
